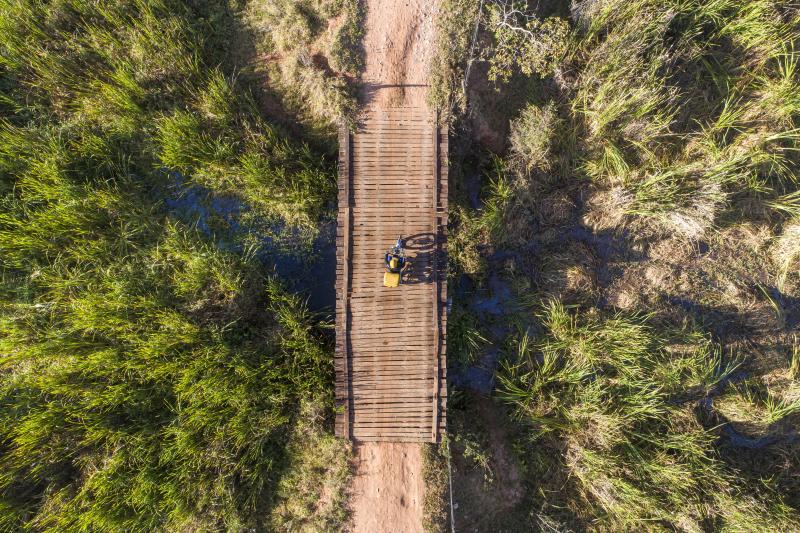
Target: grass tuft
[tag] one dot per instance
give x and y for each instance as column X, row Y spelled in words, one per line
column 618, row 392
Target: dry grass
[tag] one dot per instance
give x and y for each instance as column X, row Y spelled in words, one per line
column 312, row 496
column 785, row 253
column 310, row 50
column 436, row 507
column 454, row 32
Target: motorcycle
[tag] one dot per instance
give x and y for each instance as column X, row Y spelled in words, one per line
column 395, row 263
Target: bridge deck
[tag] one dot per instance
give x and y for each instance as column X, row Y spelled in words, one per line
column 390, row 342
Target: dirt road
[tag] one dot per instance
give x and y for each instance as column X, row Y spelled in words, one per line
column 398, row 45
column 387, row 489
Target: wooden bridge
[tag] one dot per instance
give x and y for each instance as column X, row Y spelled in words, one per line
column 390, row 342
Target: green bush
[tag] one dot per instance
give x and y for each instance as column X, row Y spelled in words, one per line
column 135, row 75
column 522, row 42
column 465, row 339
column 138, row 359
column 435, row 473
column 653, row 166
column 476, row 228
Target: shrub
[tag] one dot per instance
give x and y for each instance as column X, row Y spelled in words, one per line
column 231, row 150
column 312, row 494
column 522, row 42
column 475, row 229
column 137, row 77
column 435, row 507
column 532, row 135
column 125, row 383
column 685, row 109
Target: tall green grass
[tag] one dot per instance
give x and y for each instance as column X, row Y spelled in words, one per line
column 225, row 146
column 149, row 379
column 479, row 227
column 621, row 394
column 687, row 109
column 464, row 335
column 137, row 75
column 690, row 106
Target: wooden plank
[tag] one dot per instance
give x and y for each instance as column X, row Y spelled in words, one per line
column 392, row 439
column 418, row 420
column 410, row 371
column 396, row 381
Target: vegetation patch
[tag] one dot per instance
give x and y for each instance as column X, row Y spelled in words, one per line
column 153, row 374
column 647, row 154
column 455, row 26
column 437, row 490
column 311, row 50
column 622, row 396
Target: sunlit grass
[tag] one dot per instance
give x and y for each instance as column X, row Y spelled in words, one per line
column 152, row 379
column 681, row 170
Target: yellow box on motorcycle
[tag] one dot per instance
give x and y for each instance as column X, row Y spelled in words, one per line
column 391, row 279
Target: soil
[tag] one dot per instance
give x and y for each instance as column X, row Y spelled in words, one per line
column 487, row 504
column 387, row 489
column 398, row 45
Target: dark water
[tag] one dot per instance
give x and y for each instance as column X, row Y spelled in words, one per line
column 479, row 377
column 200, row 208
column 741, row 441
column 496, row 301
column 492, row 305
column 218, row 217
column 320, row 281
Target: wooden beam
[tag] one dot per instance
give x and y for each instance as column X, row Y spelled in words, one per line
column 346, row 158
column 436, row 325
